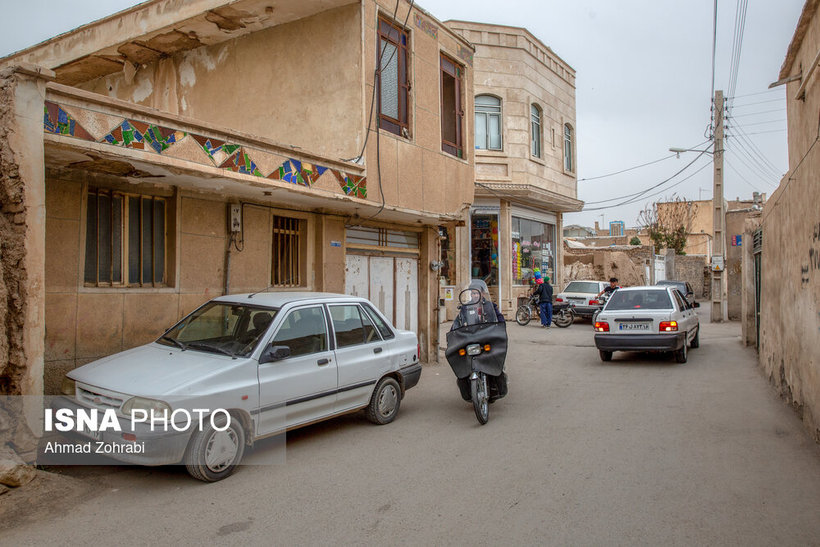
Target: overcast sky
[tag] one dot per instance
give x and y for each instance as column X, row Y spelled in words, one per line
column 644, row 72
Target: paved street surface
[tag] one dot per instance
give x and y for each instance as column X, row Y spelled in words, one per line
column 639, row 451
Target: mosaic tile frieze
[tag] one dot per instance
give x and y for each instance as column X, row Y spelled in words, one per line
column 201, row 149
column 58, row 121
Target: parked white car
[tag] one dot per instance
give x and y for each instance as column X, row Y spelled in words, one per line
column 582, row 296
column 647, row 319
column 273, row 361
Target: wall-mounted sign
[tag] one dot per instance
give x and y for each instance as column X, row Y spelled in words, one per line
column 737, row 241
column 448, row 293
column 335, row 243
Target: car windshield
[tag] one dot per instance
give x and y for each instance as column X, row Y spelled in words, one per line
column 221, row 327
column 583, row 286
column 639, row 300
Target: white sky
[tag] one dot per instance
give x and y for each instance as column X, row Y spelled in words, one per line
column 643, row 83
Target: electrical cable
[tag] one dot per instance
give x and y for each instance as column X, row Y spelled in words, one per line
column 756, row 103
column 743, row 134
column 635, row 196
column 756, row 113
column 638, row 166
column 759, row 166
column 740, row 175
column 755, row 94
column 753, row 168
column 791, row 176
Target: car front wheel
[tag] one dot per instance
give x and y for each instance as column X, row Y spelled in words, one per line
column 212, row 455
column 385, row 402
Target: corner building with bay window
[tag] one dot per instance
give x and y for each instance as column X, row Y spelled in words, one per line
column 525, row 161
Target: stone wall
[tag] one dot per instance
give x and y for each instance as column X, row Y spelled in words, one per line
column 628, row 263
column 692, row 268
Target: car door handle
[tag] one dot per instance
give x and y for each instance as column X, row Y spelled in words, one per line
column 321, row 362
column 377, row 350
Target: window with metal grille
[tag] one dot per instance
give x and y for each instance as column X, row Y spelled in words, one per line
column 125, row 243
column 393, row 80
column 288, row 254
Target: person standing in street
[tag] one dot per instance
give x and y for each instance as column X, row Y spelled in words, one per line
column 544, row 292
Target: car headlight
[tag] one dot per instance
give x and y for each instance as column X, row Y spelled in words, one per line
column 152, row 407
column 68, row 387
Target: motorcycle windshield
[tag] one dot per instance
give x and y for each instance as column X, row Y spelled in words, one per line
column 489, row 362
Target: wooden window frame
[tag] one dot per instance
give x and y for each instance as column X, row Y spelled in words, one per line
column 125, row 281
column 399, row 38
column 451, row 68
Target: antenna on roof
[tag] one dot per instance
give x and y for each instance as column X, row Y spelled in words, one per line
column 263, row 290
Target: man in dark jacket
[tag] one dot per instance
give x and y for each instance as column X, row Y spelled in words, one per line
column 544, row 292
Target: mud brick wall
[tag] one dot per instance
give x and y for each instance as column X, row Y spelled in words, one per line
column 691, row 268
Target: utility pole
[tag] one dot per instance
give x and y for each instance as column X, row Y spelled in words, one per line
column 719, row 217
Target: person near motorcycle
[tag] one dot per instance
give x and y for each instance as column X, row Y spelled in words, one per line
column 544, row 292
column 484, row 293
column 611, row 288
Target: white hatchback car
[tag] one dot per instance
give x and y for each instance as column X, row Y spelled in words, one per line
column 647, row 319
column 270, row 362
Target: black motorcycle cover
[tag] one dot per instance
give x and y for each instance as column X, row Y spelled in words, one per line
column 491, row 362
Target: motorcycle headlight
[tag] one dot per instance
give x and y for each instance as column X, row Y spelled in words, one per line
column 474, row 349
column 152, row 406
column 68, row 387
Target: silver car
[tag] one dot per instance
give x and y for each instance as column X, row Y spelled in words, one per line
column 261, row 364
column 582, row 295
column 647, row 319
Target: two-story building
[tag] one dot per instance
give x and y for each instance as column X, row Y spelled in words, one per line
column 180, row 150
column 525, row 159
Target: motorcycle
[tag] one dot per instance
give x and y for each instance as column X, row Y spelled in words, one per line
column 562, row 313
column 476, row 351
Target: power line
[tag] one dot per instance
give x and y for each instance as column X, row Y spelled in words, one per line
column 629, row 169
column 745, row 137
column 765, row 132
column 757, row 113
column 742, row 178
column 714, row 49
column 754, row 94
column 635, row 196
column 755, row 103
column 755, row 171
column 758, row 164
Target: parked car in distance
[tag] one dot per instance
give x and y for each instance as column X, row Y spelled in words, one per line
column 273, row 361
column 652, row 318
column 684, row 287
column 582, row 295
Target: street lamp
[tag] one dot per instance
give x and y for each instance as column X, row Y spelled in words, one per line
column 677, row 151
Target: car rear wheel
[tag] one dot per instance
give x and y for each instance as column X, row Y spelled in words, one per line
column 605, row 355
column 212, row 455
column 682, row 353
column 385, row 402
column 696, row 340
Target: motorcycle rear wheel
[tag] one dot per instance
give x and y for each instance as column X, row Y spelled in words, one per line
column 481, row 398
column 523, row 315
column 563, row 318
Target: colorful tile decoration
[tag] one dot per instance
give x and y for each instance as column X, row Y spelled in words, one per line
column 466, row 54
column 240, row 162
column 352, row 185
column 298, row 172
column 232, row 157
column 426, row 25
column 57, row 121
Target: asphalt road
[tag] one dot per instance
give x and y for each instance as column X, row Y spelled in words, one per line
column 639, row 451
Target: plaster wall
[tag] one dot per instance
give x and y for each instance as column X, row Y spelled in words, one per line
column 790, row 299
column 85, row 323
column 297, row 83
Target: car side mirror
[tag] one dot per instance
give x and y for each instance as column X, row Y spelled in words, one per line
column 697, row 304
column 274, row 353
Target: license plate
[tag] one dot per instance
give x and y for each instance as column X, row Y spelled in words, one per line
column 96, row 435
column 633, row 326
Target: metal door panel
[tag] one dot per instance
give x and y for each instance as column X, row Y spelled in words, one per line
column 381, row 285
column 407, row 294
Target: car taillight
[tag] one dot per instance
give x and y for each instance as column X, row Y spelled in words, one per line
column 668, row 326
column 462, row 352
column 594, row 302
column 601, row 326
column 486, row 347
column 559, row 299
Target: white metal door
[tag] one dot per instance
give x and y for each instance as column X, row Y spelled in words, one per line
column 407, row 294
column 356, row 276
column 660, row 268
column 382, row 287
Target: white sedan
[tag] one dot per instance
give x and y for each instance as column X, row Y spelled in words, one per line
column 647, row 319
column 256, row 365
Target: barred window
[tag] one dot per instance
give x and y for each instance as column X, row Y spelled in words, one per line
column 126, row 241
column 288, row 252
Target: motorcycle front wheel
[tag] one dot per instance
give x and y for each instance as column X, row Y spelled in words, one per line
column 563, row 318
column 523, row 315
column 481, row 397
